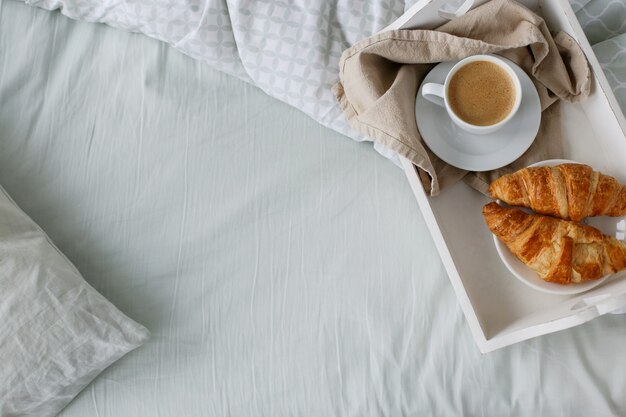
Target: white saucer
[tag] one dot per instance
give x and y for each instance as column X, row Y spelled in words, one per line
column 612, row 226
column 478, row 152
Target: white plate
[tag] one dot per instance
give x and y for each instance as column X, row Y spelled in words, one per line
column 478, row 152
column 612, row 226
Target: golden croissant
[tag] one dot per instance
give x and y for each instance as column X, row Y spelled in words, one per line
column 559, row 251
column 568, row 191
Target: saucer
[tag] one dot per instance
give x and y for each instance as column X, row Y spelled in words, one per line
column 478, row 152
column 611, row 226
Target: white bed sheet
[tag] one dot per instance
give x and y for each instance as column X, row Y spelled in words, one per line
column 283, row 270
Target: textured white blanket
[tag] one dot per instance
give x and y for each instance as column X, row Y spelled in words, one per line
column 291, row 49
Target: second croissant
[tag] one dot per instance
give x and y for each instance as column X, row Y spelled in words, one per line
column 560, row 251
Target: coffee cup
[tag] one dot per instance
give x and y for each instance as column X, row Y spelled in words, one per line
column 481, row 94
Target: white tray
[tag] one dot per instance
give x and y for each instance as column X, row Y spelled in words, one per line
column 499, row 309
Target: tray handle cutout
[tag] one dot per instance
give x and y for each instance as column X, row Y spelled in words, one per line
column 453, row 9
column 604, row 303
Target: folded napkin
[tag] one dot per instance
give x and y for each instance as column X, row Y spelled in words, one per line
column 380, row 77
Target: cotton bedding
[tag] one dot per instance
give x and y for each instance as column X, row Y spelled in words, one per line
column 291, row 50
column 281, row 269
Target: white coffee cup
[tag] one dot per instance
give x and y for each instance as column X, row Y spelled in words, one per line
column 438, row 94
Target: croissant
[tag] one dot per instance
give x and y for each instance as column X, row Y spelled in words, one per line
column 559, row 251
column 568, row 191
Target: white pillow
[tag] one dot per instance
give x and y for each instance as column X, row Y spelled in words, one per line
column 56, row 332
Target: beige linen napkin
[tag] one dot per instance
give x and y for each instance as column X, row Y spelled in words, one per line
column 380, row 76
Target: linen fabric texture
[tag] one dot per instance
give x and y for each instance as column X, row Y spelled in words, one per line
column 56, row 332
column 380, row 77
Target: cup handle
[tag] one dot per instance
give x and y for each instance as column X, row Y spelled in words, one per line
column 434, row 93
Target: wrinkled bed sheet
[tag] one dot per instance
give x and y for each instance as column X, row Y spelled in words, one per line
column 282, row 269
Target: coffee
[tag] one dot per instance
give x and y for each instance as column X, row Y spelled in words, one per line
column 481, row 93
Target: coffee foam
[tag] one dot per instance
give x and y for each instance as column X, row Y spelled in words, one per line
column 481, row 93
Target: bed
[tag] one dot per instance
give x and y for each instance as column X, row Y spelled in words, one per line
column 281, row 268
